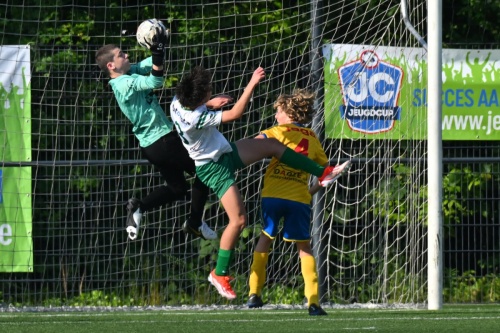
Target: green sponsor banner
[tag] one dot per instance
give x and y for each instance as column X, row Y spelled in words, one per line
column 381, row 93
column 16, row 246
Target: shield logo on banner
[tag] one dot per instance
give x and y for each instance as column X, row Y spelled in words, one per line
column 370, row 91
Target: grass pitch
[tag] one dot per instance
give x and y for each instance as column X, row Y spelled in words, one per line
column 453, row 318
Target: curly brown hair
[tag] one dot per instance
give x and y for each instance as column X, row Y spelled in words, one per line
column 298, row 106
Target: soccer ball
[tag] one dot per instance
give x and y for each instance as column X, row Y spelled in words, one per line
column 147, row 31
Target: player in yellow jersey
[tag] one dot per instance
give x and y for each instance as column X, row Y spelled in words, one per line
column 286, row 195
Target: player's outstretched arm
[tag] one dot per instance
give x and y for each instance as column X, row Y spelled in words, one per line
column 158, row 44
column 219, row 101
column 237, row 110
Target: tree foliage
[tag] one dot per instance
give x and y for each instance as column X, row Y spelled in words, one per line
column 64, row 35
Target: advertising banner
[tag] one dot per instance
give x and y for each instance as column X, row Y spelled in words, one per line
column 381, row 93
column 16, row 246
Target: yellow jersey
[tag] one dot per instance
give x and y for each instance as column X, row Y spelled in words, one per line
column 282, row 181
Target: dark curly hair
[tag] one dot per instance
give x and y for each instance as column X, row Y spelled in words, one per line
column 298, row 106
column 194, row 88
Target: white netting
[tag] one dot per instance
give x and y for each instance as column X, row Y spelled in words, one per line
column 368, row 230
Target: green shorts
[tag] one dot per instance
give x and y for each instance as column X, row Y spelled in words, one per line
column 219, row 176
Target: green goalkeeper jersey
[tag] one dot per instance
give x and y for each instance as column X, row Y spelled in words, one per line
column 134, row 94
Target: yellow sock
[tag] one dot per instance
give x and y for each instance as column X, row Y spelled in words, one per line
column 308, row 265
column 258, row 273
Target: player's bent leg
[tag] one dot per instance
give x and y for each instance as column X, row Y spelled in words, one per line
column 221, row 283
column 263, row 244
column 254, row 150
column 199, row 229
column 199, row 196
column 236, row 212
column 257, row 278
column 255, row 301
column 316, row 310
column 332, row 173
column 134, row 216
column 233, row 204
column 194, row 225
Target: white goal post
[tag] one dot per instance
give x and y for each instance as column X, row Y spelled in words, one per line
column 435, row 158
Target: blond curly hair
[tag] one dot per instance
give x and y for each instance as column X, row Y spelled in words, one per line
column 298, row 106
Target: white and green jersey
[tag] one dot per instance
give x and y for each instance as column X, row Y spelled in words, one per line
column 134, row 94
column 199, row 133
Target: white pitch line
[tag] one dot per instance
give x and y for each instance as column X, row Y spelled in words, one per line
column 271, row 320
column 358, row 328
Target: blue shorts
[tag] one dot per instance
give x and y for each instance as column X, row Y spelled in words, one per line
column 296, row 219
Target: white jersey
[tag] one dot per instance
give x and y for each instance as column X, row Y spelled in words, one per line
column 199, row 133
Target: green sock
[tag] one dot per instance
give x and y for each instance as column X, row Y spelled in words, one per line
column 223, row 261
column 301, row 162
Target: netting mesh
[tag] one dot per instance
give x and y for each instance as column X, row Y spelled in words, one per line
column 368, row 230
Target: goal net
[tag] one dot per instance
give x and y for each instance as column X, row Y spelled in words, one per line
column 69, row 161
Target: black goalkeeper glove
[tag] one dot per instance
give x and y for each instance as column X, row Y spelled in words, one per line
column 159, row 42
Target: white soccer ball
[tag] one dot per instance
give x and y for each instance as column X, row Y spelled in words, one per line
column 147, row 30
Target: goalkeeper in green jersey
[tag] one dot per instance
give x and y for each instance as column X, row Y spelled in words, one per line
column 286, row 195
column 133, row 86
